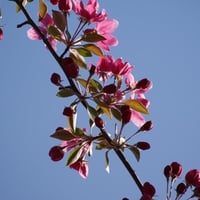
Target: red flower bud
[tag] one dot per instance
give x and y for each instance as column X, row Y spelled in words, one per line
column 92, row 69
column 192, row 178
column 176, row 169
column 143, row 145
column 64, row 5
column 143, row 84
column 70, row 68
column 146, row 197
column 146, row 126
column 1, row 34
column 99, row 122
column 181, row 188
column 167, row 171
column 56, row 79
column 54, row 2
column 56, row 153
column 110, row 89
column 68, row 111
column 148, row 189
column 125, row 114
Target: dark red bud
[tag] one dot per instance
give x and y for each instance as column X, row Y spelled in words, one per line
column 176, row 169
column 167, row 171
column 56, row 79
column 99, row 122
column 196, row 192
column 64, row 5
column 110, row 89
column 68, row 111
column 146, row 126
column 56, row 153
column 54, row 2
column 125, row 114
column 181, row 188
column 143, row 84
column 70, row 68
column 143, row 145
column 1, row 34
column 148, row 189
column 192, row 178
column 92, row 69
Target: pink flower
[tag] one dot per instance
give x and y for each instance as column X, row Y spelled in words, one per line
column 104, row 67
column 105, row 28
column 121, row 67
column 82, row 167
column 89, row 12
column 43, row 26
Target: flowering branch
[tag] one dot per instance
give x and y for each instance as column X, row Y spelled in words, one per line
column 58, row 59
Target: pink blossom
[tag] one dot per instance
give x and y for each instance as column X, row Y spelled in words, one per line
column 105, row 28
column 121, row 67
column 82, row 167
column 70, row 144
column 104, row 67
column 43, row 26
column 89, row 12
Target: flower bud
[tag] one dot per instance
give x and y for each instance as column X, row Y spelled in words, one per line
column 92, row 69
column 56, row 79
column 181, row 189
column 146, row 126
column 192, row 178
column 143, row 84
column 110, row 89
column 125, row 114
column 176, row 170
column 65, row 5
column 68, row 111
column 143, row 145
column 56, row 153
column 196, row 192
column 70, row 68
column 54, row 2
column 167, row 171
column 148, row 189
column 1, row 34
column 99, row 122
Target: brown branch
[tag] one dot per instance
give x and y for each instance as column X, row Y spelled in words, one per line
column 84, row 102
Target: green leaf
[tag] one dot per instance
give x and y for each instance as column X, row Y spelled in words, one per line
column 116, row 113
column 59, row 20
column 65, row 92
column 54, row 32
column 95, row 85
column 74, row 155
column 78, row 59
column 24, row 2
column 84, row 52
column 107, row 162
column 137, row 106
column 92, row 112
column 94, row 49
column 92, row 37
column 72, row 121
column 79, row 132
column 62, row 134
column 136, row 152
column 42, row 9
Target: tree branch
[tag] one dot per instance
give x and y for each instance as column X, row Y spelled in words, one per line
column 84, row 102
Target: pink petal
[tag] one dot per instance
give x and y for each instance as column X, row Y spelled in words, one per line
column 33, row 35
column 137, row 118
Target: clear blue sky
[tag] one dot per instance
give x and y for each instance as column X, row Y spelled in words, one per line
column 162, row 39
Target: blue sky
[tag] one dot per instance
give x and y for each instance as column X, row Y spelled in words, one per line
column 161, row 38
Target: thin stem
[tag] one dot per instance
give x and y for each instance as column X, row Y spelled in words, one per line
column 84, row 102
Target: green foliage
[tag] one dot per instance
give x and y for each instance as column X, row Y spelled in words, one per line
column 92, row 37
column 136, row 105
column 135, row 151
column 63, row 134
column 59, row 20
